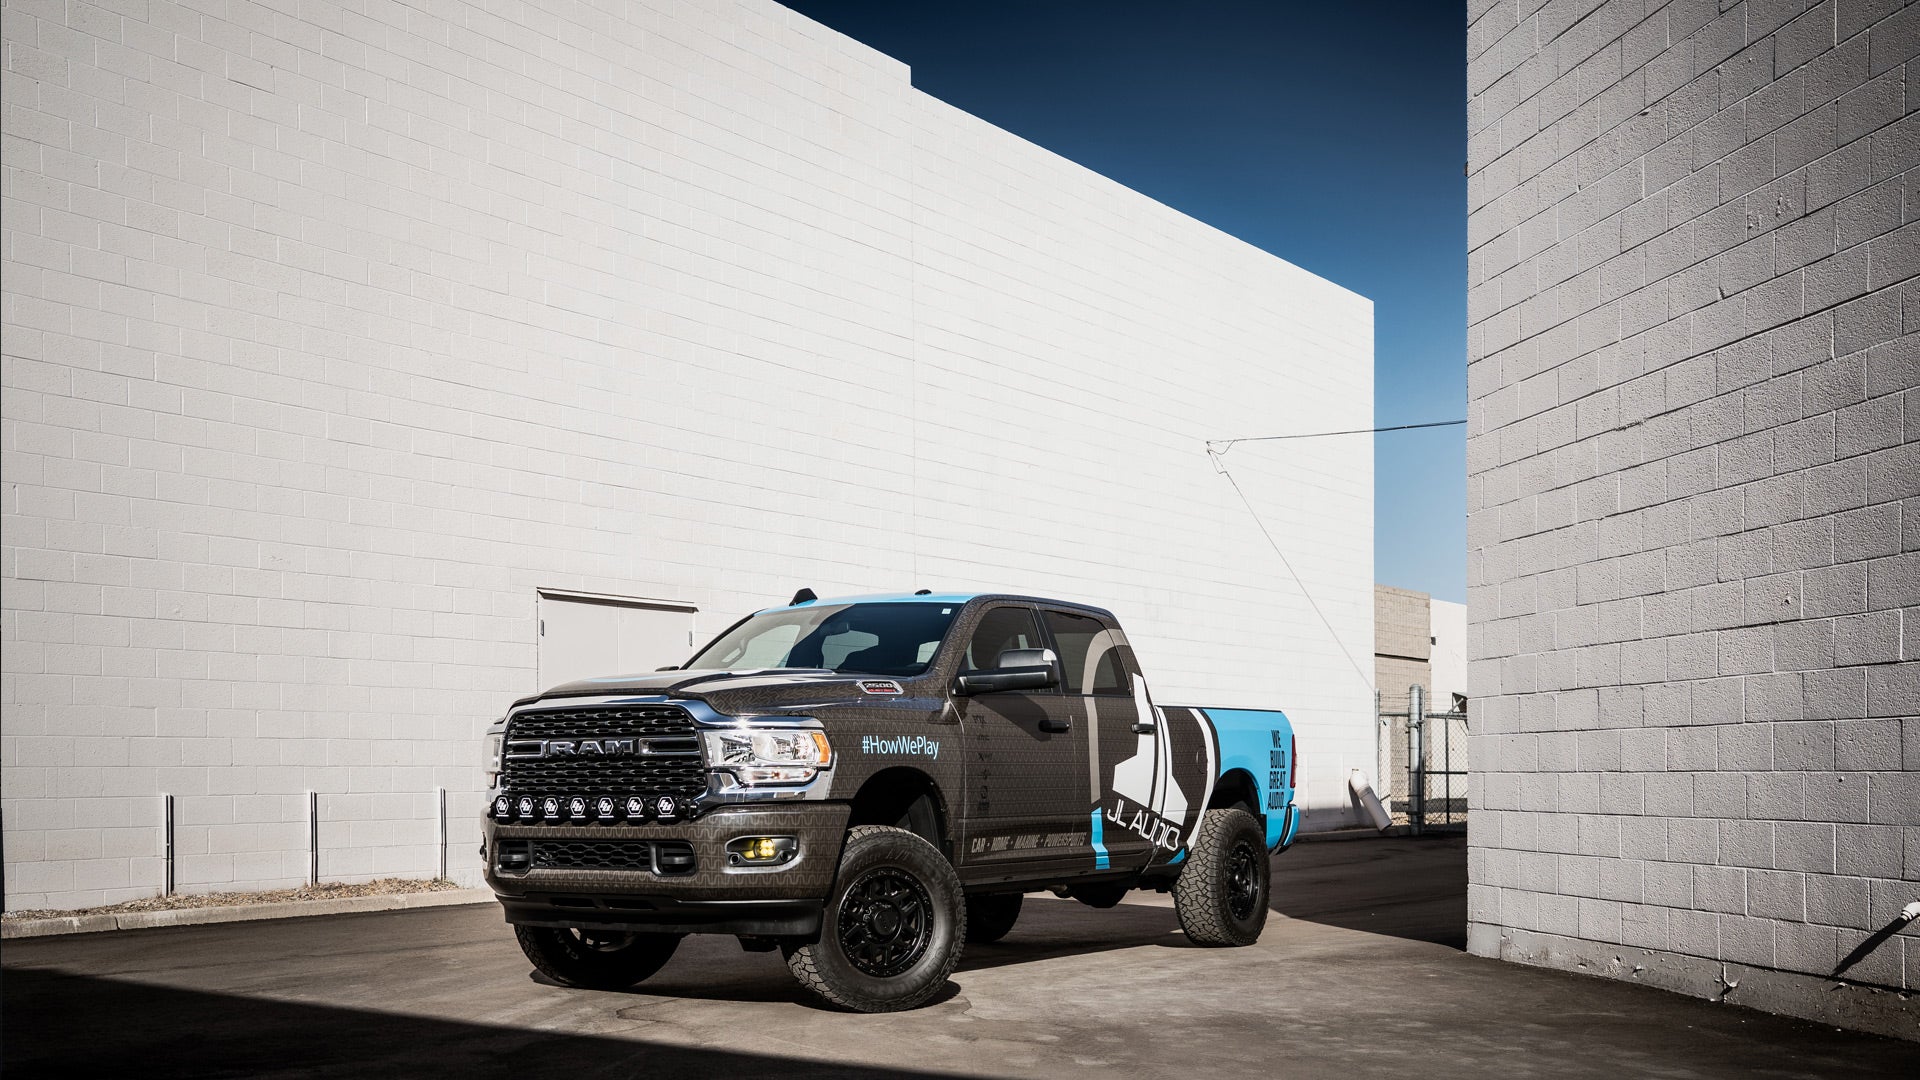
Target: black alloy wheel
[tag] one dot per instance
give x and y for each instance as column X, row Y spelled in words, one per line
column 892, row 929
column 1221, row 893
column 1243, row 881
column 886, row 921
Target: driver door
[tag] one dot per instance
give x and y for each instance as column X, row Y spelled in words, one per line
column 1026, row 774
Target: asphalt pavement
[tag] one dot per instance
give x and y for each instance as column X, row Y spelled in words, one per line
column 1360, row 973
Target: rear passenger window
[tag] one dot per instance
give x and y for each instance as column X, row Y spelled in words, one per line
column 1001, row 629
column 1073, row 635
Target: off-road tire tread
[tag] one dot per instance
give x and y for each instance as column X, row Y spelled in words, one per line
column 536, row 948
column 1197, row 893
column 804, row 960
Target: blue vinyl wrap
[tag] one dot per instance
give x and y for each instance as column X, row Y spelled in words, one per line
column 1253, row 740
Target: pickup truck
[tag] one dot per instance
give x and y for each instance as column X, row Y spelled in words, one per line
column 868, row 783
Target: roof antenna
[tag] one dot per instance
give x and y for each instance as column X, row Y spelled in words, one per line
column 923, row 592
column 804, row 596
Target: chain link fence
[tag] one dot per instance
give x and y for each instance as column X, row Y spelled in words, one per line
column 1423, row 761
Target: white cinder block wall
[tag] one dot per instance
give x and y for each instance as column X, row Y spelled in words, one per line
column 1694, row 495
column 331, row 336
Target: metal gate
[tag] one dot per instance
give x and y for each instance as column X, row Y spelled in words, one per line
column 1425, row 760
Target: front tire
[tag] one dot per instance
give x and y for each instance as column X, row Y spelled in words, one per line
column 893, row 926
column 1221, row 895
column 595, row 959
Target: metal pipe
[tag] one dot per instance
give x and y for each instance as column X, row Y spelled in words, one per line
column 1416, row 741
column 440, row 795
column 313, row 838
column 1369, row 801
column 167, row 815
column 1382, row 752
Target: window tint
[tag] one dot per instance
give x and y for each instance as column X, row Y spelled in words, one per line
column 835, row 648
column 870, row 639
column 1001, row 629
column 1073, row 635
column 766, row 649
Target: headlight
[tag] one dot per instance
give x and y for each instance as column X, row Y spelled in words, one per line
column 761, row 756
column 495, row 740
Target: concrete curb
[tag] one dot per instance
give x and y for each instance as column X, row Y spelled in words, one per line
column 1370, row 833
column 142, row 920
column 1367, row 833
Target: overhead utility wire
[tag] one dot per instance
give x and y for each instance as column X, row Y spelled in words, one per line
column 1227, row 444
column 1335, row 634
column 1221, row 468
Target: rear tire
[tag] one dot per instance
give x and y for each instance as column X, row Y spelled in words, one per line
column 595, row 959
column 1221, row 895
column 990, row 916
column 893, row 927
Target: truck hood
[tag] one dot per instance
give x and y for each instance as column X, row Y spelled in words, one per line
column 726, row 691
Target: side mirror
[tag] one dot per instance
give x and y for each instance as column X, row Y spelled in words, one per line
column 1022, row 658
column 1016, row 669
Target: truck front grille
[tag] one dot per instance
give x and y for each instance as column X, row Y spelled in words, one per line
column 643, row 750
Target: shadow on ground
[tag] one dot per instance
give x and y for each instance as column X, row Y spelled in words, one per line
column 1049, row 929
column 1413, row 888
column 1359, row 973
column 185, row 1033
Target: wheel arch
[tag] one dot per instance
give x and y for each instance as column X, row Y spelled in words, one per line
column 905, row 798
column 1237, row 788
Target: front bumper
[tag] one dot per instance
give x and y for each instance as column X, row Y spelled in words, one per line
column 713, row 897
column 751, row 918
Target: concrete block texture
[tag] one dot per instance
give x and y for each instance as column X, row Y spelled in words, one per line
column 335, row 331
column 1743, row 468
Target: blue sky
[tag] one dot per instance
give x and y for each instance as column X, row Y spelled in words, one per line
column 1332, row 134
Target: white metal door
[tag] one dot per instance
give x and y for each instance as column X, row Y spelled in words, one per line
column 585, row 637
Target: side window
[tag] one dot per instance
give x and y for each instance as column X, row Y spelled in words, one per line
column 1073, row 635
column 1109, row 676
column 1000, row 629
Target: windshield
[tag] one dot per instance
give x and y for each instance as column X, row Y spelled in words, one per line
column 868, row 639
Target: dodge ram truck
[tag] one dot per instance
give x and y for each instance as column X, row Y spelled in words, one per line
column 866, row 784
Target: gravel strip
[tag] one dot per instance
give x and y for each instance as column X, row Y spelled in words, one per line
column 326, row 890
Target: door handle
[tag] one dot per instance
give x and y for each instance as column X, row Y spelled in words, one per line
column 1050, row 724
column 1144, row 727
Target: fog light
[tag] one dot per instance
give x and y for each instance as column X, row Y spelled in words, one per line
column 762, row 850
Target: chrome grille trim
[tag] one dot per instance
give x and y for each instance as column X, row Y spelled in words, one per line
column 665, row 759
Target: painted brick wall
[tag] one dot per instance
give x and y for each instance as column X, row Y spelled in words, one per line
column 333, row 331
column 1694, row 490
